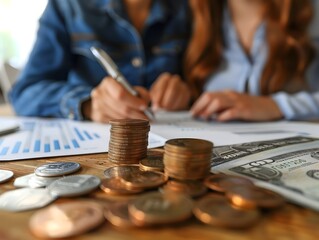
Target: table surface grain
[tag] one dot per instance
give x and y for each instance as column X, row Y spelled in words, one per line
column 288, row 222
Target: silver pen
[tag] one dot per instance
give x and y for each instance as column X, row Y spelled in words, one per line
column 110, row 67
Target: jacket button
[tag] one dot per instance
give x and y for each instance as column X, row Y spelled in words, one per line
column 137, row 62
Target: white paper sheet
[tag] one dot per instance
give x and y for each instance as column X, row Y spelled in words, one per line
column 181, row 125
column 57, row 137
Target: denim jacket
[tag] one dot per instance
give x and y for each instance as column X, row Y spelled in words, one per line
column 241, row 73
column 61, row 70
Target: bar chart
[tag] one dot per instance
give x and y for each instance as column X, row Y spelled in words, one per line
column 40, row 137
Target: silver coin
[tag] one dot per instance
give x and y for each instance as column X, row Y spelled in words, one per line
column 22, row 181
column 33, row 181
column 57, row 169
column 39, row 182
column 25, row 199
column 74, row 185
column 5, row 175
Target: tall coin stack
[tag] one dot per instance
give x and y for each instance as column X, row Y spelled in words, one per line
column 187, row 158
column 128, row 141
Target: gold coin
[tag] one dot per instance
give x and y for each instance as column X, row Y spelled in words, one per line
column 131, row 122
column 66, row 219
column 144, row 179
column 152, row 163
column 118, row 215
column 156, row 208
column 188, row 145
column 115, row 186
column 223, row 183
column 216, row 210
column 252, row 196
column 191, row 188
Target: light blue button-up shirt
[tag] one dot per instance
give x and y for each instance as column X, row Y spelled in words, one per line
column 242, row 73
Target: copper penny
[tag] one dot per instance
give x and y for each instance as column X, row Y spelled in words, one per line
column 156, row 208
column 223, row 183
column 216, row 210
column 252, row 196
column 66, row 219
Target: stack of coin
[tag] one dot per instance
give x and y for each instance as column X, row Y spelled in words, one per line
column 187, row 158
column 128, row 141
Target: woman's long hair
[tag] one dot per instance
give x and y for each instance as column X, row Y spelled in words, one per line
column 289, row 48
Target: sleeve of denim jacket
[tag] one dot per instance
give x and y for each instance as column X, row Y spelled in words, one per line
column 43, row 89
column 305, row 104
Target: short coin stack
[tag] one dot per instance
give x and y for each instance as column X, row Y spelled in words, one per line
column 128, row 141
column 187, row 158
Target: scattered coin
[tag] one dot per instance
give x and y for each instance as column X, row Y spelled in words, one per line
column 252, row 196
column 135, row 178
column 152, row 163
column 216, row 210
column 117, row 214
column 5, row 175
column 33, row 181
column 39, row 182
column 156, row 208
column 223, row 183
column 57, row 169
column 75, row 185
column 66, row 219
column 25, row 199
column 115, row 186
column 191, row 188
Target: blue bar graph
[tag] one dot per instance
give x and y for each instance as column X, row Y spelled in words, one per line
column 50, row 137
column 75, row 143
column 37, row 145
column 79, row 134
column 47, row 147
column 16, row 147
column 26, row 150
column 4, row 151
column 56, row 145
column 88, row 135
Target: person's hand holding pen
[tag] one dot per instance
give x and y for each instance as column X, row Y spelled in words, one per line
column 114, row 97
column 110, row 100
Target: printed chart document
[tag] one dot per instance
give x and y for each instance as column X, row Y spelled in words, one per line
column 39, row 137
column 288, row 166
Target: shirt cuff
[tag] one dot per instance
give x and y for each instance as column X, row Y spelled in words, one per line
column 298, row 106
column 71, row 103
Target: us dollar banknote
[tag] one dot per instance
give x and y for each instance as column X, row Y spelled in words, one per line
column 289, row 166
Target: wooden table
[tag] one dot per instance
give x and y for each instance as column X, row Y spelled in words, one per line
column 288, row 222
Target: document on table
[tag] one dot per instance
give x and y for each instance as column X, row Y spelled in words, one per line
column 181, row 125
column 37, row 138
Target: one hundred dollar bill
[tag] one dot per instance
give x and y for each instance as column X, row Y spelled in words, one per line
column 288, row 166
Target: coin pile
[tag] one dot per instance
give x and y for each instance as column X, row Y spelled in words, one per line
column 130, row 179
column 187, row 158
column 241, row 200
column 128, row 140
column 150, row 209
